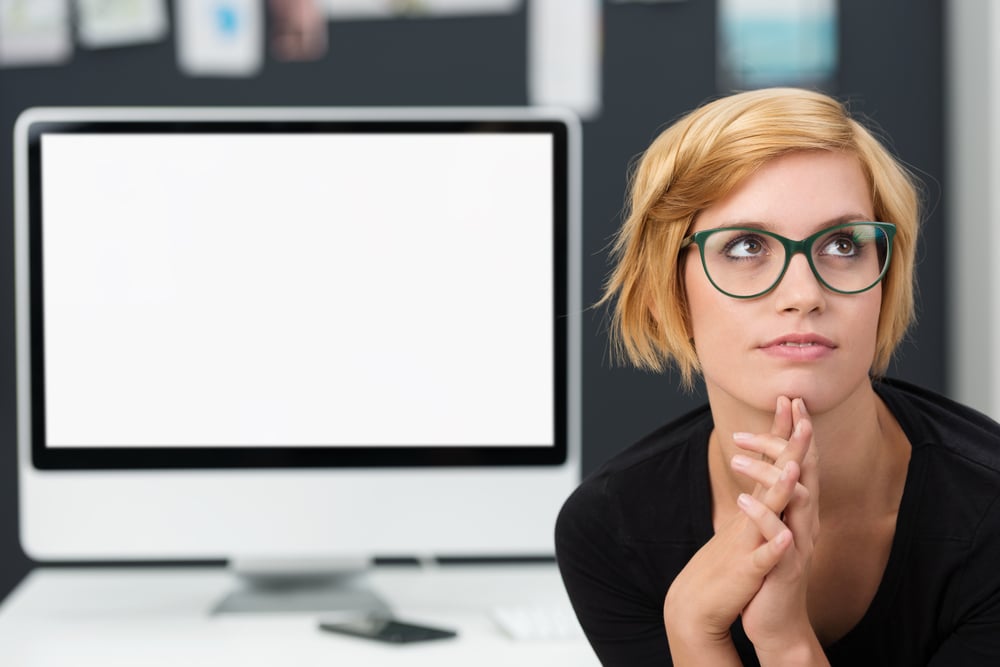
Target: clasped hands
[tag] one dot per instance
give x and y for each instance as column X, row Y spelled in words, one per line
column 757, row 564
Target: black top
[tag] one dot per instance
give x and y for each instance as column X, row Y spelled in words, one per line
column 630, row 528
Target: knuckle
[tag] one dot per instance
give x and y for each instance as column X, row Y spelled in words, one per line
column 802, row 496
column 757, row 510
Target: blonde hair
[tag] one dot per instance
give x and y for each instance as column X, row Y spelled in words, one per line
column 700, row 159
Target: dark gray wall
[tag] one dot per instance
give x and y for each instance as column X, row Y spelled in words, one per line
column 659, row 61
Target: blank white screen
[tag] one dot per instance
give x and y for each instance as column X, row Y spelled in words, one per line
column 293, row 289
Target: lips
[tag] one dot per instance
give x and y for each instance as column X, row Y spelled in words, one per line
column 800, row 341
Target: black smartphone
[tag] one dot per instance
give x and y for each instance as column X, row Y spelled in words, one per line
column 385, row 629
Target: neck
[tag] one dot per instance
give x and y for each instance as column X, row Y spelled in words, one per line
column 862, row 450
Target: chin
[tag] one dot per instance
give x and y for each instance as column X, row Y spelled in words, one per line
column 821, row 394
column 822, row 389
column 818, row 392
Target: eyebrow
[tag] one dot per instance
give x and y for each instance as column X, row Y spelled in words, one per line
column 839, row 220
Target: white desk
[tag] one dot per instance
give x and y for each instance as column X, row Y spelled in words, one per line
column 150, row 617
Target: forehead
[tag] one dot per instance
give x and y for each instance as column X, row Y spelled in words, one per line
column 795, row 195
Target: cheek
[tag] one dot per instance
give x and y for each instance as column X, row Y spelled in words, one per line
column 869, row 319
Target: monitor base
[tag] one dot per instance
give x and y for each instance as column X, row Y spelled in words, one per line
column 338, row 590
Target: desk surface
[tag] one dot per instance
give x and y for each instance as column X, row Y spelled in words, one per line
column 162, row 616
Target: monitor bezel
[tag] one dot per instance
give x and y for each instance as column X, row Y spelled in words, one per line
column 45, row 457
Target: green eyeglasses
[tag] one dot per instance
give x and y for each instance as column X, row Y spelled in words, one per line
column 745, row 262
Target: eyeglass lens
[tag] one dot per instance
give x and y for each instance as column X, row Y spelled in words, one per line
column 746, row 262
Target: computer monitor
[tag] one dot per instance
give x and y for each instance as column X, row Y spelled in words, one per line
column 296, row 333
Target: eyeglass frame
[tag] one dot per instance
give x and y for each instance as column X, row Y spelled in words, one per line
column 793, row 248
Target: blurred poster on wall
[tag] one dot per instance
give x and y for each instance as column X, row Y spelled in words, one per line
column 373, row 9
column 220, row 37
column 564, row 54
column 777, row 43
column 34, row 32
column 297, row 29
column 107, row 23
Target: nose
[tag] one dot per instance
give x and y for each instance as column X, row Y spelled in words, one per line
column 799, row 289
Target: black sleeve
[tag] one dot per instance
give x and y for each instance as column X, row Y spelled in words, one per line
column 622, row 621
column 975, row 642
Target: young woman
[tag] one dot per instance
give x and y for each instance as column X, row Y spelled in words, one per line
column 813, row 513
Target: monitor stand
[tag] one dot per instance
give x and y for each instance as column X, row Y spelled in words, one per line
column 334, row 587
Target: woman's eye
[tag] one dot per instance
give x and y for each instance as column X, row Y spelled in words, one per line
column 842, row 246
column 745, row 247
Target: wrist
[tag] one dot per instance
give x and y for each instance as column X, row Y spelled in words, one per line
column 806, row 652
column 684, row 621
column 693, row 641
column 693, row 646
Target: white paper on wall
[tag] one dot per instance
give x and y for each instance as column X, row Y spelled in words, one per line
column 34, row 32
column 220, row 37
column 107, row 23
column 564, row 54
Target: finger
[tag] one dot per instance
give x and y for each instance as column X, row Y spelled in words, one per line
column 803, row 511
column 776, row 449
column 775, row 488
column 799, row 441
column 792, row 448
column 781, row 429
column 778, row 496
column 767, row 555
column 810, row 460
column 802, row 517
column 799, row 411
column 809, row 476
column 767, row 522
column 767, row 476
column 767, row 445
column 770, row 447
column 762, row 472
column 782, row 424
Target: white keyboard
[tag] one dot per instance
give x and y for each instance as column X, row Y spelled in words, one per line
column 538, row 622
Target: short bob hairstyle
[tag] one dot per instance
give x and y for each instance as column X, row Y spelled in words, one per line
column 699, row 160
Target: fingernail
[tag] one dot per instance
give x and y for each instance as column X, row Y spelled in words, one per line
column 741, row 462
column 742, row 437
column 784, row 473
column 783, row 538
column 743, row 500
